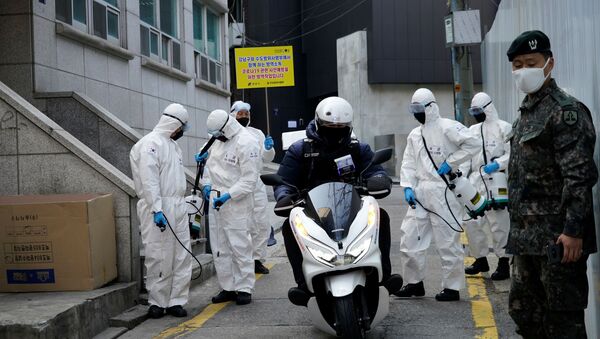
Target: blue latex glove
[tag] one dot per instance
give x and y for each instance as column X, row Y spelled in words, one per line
column 201, row 157
column 444, row 169
column 160, row 220
column 269, row 142
column 220, row 201
column 206, row 191
column 409, row 195
column 491, row 167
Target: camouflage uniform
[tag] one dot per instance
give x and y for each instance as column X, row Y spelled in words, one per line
column 552, row 172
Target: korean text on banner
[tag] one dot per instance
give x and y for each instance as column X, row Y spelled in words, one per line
column 261, row 67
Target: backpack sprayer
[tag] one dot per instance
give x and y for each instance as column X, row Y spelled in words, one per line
column 497, row 189
column 467, row 195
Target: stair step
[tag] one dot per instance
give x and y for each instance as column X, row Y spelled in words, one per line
column 130, row 318
column 111, row 333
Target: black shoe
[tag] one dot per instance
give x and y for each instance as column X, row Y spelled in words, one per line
column 480, row 265
column 393, row 284
column 224, row 296
column 243, row 298
column 260, row 268
column 411, row 290
column 502, row 271
column 447, row 295
column 299, row 296
column 177, row 311
column 156, row 312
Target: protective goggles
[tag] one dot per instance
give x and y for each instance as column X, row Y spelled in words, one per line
column 184, row 126
column 476, row 110
column 418, row 107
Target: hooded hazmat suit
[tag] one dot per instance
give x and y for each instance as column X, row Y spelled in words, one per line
column 260, row 227
column 449, row 141
column 495, row 133
column 232, row 167
column 160, row 184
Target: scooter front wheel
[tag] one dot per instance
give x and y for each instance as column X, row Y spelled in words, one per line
column 347, row 320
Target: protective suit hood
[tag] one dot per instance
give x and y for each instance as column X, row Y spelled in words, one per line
column 482, row 99
column 171, row 119
column 241, row 106
column 219, row 120
column 425, row 96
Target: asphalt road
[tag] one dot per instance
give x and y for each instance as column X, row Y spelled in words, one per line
column 481, row 312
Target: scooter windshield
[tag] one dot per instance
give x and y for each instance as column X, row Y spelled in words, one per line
column 333, row 206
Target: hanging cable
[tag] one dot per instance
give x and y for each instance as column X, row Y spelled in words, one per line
column 280, row 40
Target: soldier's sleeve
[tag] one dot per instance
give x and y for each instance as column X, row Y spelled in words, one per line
column 574, row 140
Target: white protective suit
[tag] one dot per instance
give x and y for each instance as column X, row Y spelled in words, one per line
column 260, row 228
column 495, row 132
column 449, row 141
column 232, row 168
column 160, row 184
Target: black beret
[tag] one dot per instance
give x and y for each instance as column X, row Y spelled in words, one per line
column 529, row 42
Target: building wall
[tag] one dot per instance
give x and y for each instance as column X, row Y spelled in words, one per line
column 574, row 33
column 381, row 109
column 46, row 61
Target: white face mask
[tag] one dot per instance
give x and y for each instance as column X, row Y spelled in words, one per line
column 530, row 80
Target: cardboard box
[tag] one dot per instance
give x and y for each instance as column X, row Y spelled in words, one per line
column 57, row 242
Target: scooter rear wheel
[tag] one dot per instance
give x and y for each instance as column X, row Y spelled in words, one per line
column 347, row 321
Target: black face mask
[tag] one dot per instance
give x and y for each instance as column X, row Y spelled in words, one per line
column 420, row 117
column 222, row 138
column 243, row 121
column 480, row 117
column 333, row 136
column 177, row 135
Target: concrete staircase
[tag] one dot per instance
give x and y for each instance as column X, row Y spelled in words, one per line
column 76, row 146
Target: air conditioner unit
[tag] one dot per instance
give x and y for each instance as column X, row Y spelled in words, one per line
column 236, row 34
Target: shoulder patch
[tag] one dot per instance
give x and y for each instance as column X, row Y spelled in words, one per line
column 151, row 150
column 570, row 117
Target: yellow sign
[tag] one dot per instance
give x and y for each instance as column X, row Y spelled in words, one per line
column 260, row 67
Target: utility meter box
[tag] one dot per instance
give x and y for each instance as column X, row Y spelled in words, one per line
column 57, row 242
column 463, row 28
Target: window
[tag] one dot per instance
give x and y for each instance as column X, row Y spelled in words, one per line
column 207, row 44
column 104, row 15
column 159, row 31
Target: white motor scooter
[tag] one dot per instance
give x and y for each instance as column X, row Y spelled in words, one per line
column 338, row 234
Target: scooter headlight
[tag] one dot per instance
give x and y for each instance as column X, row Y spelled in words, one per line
column 322, row 255
column 371, row 216
column 299, row 225
column 359, row 248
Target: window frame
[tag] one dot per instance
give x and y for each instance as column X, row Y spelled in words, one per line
column 199, row 54
column 89, row 27
column 164, row 38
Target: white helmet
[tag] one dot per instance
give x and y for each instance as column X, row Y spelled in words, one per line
column 179, row 113
column 334, row 112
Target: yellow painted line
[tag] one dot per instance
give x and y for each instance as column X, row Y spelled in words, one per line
column 199, row 320
column 481, row 308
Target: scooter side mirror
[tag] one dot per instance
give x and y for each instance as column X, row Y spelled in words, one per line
column 284, row 206
column 272, row 179
column 382, row 156
column 379, row 187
